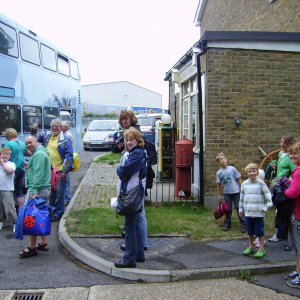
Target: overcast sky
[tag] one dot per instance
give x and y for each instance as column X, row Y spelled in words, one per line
column 114, row 40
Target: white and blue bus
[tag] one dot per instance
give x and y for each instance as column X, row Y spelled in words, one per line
column 38, row 82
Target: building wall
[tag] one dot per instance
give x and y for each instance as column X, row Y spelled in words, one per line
column 261, row 88
column 254, row 15
column 120, row 93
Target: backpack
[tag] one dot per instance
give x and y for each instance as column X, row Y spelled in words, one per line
column 151, row 152
column 76, row 161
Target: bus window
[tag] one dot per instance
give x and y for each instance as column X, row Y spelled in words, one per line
column 50, row 113
column 74, row 69
column 8, row 40
column 48, row 58
column 31, row 115
column 29, row 49
column 10, row 117
column 63, row 65
column 68, row 115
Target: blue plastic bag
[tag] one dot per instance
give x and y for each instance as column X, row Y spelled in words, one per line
column 34, row 217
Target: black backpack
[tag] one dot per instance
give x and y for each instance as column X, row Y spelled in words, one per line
column 151, row 152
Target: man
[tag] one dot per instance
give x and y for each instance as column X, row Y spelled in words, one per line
column 38, row 186
column 68, row 195
column 61, row 156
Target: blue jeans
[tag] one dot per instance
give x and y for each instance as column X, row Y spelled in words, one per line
column 133, row 240
column 142, row 226
column 57, row 199
column 68, row 195
column 233, row 199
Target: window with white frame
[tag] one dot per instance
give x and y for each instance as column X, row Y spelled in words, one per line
column 185, row 120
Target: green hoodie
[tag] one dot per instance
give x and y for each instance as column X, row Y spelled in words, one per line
column 39, row 170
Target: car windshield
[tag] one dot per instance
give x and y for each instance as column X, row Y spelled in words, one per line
column 146, row 121
column 103, row 125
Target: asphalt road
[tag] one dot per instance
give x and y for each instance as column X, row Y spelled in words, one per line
column 52, row 269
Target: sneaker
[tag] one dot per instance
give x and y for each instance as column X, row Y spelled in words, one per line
column 292, row 275
column 295, row 283
column 243, row 228
column 256, row 243
column 226, row 227
column 274, row 238
column 260, row 254
column 248, row 251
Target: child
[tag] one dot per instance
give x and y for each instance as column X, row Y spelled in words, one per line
column 254, row 202
column 231, row 178
column 293, row 194
column 7, row 174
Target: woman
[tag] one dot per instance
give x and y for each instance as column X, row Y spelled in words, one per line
column 18, row 149
column 283, row 209
column 132, row 168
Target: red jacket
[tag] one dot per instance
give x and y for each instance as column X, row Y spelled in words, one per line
column 293, row 192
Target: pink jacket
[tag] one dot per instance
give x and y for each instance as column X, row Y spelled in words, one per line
column 294, row 191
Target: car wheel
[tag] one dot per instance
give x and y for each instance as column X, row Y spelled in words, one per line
column 86, row 149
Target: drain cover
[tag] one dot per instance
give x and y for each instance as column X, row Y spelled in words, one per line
column 28, row 296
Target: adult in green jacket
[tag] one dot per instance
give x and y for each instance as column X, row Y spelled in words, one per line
column 38, row 185
column 284, row 209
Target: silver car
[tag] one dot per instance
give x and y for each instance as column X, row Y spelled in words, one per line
column 97, row 134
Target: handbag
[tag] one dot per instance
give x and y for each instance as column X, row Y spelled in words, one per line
column 221, row 210
column 130, row 202
column 36, row 219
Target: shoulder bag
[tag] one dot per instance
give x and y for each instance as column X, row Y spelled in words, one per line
column 130, row 203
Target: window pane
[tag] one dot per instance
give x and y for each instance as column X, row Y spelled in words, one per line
column 10, row 117
column 74, row 69
column 68, row 115
column 29, row 49
column 194, row 85
column 186, row 88
column 31, row 115
column 50, row 113
column 48, row 58
column 63, row 65
column 8, row 40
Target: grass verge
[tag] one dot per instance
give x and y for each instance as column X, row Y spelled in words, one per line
column 110, row 158
column 170, row 218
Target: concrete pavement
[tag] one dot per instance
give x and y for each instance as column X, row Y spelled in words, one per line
column 169, row 258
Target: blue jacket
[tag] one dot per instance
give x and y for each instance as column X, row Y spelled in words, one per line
column 134, row 166
column 65, row 151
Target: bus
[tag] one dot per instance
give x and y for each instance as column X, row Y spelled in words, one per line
column 146, row 123
column 38, row 83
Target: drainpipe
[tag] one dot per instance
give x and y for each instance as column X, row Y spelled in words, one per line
column 200, row 114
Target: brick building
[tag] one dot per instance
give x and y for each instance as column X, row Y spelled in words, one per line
column 249, row 65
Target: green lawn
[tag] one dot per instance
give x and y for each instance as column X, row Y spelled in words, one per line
column 177, row 218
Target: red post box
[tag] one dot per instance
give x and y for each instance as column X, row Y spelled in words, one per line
column 184, row 161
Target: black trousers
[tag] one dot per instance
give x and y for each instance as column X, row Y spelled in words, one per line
column 283, row 217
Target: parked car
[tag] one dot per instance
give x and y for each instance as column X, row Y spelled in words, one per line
column 97, row 134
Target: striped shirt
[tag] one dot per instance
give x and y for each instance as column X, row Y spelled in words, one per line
column 255, row 198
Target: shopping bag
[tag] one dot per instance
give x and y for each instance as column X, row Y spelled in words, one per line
column 36, row 220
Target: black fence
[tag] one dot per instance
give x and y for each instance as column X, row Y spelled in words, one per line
column 174, row 181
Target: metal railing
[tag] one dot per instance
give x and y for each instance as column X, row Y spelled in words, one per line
column 164, row 184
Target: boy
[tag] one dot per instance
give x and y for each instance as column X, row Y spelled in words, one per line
column 7, row 174
column 231, row 178
column 254, row 202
